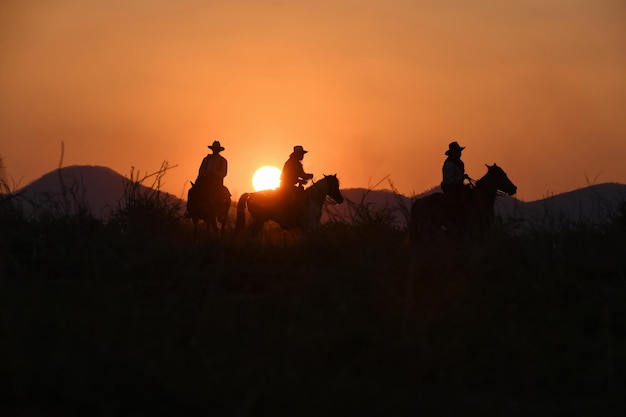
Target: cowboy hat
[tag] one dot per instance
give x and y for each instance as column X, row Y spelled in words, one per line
column 216, row 146
column 454, row 147
column 299, row 149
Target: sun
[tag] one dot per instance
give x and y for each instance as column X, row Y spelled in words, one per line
column 266, row 178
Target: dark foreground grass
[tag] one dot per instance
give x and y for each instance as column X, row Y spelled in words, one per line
column 109, row 320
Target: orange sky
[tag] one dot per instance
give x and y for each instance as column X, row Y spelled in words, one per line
column 370, row 88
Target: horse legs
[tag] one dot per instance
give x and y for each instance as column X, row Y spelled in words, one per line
column 255, row 228
column 212, row 227
column 225, row 225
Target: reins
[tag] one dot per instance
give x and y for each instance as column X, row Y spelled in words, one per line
column 327, row 198
column 474, row 183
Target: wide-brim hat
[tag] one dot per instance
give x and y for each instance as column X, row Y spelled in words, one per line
column 299, row 149
column 454, row 147
column 216, row 146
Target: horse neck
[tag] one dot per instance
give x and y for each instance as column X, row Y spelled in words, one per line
column 317, row 192
column 485, row 193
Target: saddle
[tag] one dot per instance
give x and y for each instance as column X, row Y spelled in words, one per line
column 221, row 193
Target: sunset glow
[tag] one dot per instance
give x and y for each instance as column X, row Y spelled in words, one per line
column 371, row 89
column 266, row 178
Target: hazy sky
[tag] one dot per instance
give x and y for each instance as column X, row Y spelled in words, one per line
column 370, row 88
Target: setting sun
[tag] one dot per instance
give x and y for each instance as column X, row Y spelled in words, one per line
column 266, row 178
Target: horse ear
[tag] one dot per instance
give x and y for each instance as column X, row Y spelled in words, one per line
column 487, row 166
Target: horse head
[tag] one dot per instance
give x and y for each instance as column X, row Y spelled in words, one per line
column 499, row 179
column 333, row 188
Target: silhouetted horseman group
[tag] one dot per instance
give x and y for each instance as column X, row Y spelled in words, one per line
column 290, row 205
column 461, row 209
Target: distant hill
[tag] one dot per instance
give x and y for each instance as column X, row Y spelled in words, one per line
column 585, row 205
column 103, row 190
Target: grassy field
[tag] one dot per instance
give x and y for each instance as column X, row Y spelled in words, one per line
column 131, row 317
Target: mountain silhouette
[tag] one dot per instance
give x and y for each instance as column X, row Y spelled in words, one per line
column 98, row 189
column 102, row 190
column 591, row 204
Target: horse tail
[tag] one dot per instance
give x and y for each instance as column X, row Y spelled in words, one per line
column 240, row 222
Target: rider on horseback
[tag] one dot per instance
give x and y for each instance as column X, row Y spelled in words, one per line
column 455, row 191
column 213, row 169
column 292, row 181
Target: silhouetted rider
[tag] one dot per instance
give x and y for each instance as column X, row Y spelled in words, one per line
column 453, row 186
column 293, row 174
column 293, row 178
column 213, row 169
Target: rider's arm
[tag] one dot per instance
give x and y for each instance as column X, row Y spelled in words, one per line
column 303, row 175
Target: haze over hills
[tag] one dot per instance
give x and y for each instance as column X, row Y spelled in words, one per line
column 103, row 190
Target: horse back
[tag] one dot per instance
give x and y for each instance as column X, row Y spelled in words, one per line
column 432, row 201
column 427, row 213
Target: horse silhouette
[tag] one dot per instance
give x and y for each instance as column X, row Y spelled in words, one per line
column 269, row 205
column 434, row 215
column 209, row 205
